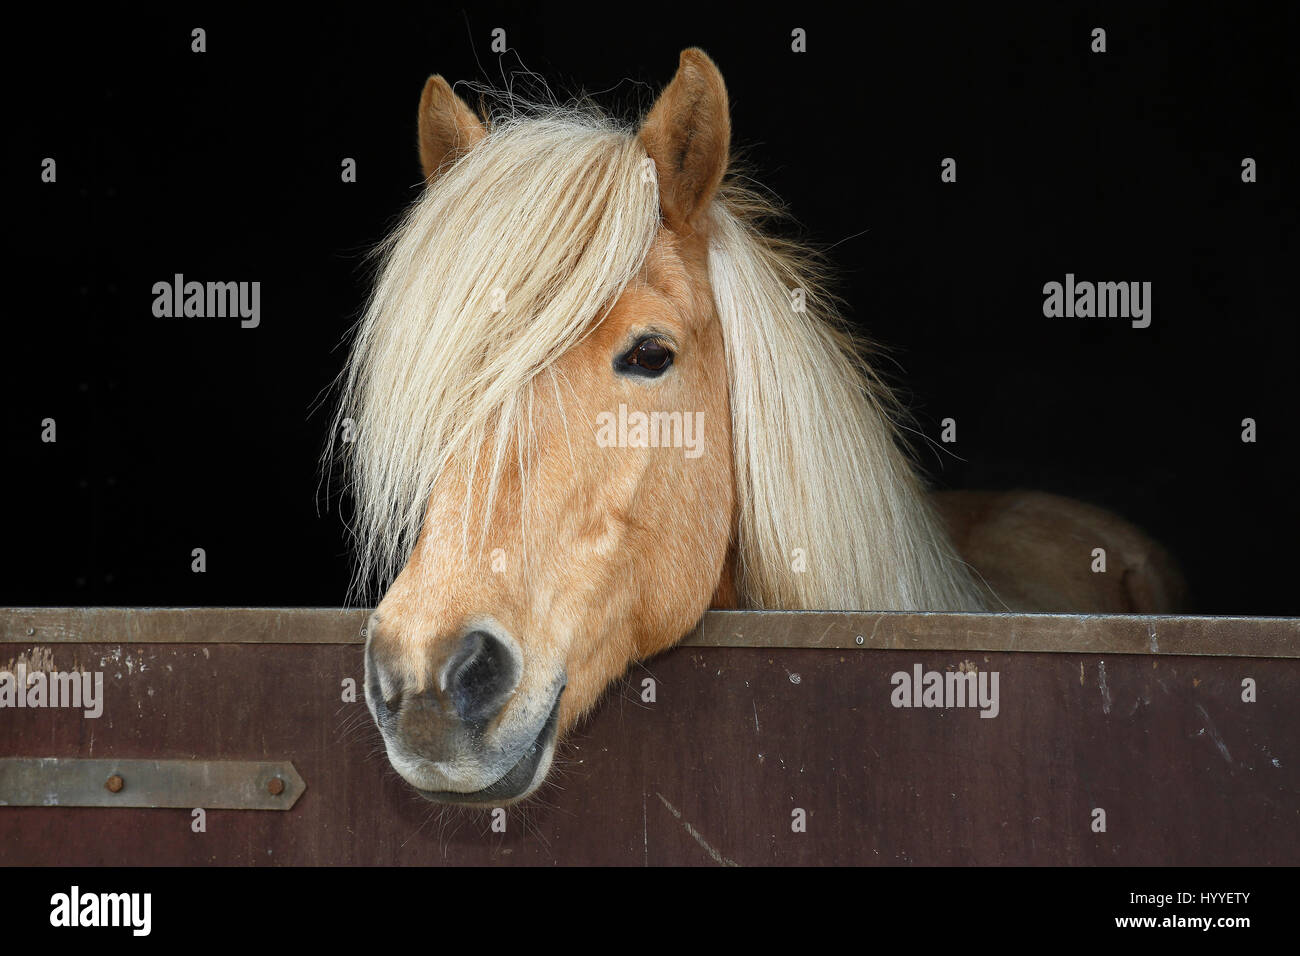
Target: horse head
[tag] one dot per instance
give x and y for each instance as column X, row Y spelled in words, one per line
column 590, row 401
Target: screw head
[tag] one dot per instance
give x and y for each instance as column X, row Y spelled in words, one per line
column 860, row 639
column 115, row 784
column 275, row 786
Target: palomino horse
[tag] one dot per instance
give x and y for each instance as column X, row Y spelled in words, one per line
column 591, row 399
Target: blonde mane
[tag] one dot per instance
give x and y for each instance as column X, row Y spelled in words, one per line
column 515, row 253
column 498, row 269
column 820, row 476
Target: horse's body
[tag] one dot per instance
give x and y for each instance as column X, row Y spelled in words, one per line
column 1035, row 552
column 558, row 271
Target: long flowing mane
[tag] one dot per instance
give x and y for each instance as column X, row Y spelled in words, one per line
column 515, row 253
column 819, row 468
column 499, row 268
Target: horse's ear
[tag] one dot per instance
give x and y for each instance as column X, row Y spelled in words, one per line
column 688, row 135
column 448, row 127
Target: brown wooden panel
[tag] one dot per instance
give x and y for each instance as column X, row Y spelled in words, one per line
column 737, row 738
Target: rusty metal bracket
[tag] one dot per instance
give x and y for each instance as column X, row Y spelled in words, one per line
column 210, row 784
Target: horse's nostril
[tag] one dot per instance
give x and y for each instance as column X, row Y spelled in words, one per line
column 387, row 699
column 480, row 676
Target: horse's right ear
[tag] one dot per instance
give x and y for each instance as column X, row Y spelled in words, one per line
column 448, row 127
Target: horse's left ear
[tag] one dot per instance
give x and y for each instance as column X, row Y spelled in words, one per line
column 448, row 127
column 688, row 135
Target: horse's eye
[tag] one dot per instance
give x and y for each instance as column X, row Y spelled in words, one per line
column 649, row 357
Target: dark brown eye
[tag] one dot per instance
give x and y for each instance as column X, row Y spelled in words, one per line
column 648, row 357
column 652, row 355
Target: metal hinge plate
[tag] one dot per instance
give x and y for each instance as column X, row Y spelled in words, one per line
column 210, row 784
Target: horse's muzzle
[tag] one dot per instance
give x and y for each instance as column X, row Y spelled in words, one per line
column 519, row 779
column 469, row 731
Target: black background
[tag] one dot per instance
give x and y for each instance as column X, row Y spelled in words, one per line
column 177, row 434
column 1018, row 904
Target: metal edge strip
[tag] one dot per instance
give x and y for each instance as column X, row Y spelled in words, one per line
column 842, row 630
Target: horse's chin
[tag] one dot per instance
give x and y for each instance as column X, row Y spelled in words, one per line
column 520, row 780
